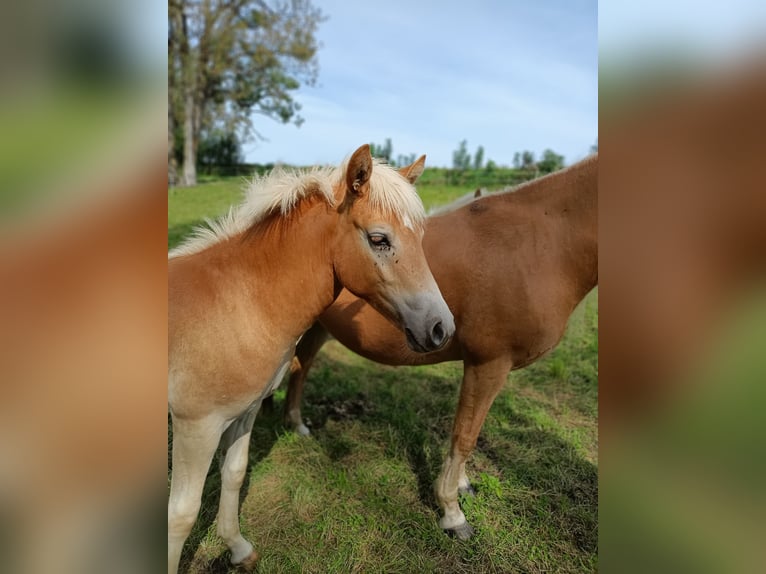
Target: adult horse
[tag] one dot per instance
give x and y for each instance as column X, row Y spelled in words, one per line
column 512, row 267
column 243, row 291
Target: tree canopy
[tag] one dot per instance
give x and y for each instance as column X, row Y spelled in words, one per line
column 550, row 161
column 230, row 59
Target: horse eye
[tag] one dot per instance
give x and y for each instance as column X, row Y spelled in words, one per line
column 378, row 240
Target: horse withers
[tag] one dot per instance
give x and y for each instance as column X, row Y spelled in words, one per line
column 512, row 266
column 243, row 291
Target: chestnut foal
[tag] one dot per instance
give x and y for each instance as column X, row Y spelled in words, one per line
column 243, row 291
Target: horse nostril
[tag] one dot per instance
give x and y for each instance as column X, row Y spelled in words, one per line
column 437, row 334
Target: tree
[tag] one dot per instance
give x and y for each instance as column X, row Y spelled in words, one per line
column 229, row 59
column 402, row 159
column 219, row 148
column 527, row 160
column 461, row 159
column 478, row 157
column 517, row 160
column 594, row 147
column 550, row 161
column 384, row 151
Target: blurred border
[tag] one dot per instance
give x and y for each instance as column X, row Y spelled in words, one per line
column 682, row 199
column 83, row 222
column 83, row 308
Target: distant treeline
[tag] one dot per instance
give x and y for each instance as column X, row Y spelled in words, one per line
column 489, row 178
column 221, row 155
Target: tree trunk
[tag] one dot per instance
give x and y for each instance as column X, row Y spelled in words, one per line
column 174, row 29
column 172, row 163
column 190, row 147
column 188, row 86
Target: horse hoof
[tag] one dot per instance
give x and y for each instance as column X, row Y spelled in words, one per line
column 461, row 532
column 467, row 490
column 303, row 430
column 249, row 563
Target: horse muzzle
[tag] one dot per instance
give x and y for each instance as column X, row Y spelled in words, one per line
column 428, row 332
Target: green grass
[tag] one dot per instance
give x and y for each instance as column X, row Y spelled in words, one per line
column 189, row 206
column 357, row 495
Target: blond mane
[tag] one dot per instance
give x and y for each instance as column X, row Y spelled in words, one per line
column 281, row 190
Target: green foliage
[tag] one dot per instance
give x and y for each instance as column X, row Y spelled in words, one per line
column 219, row 149
column 550, row 161
column 490, row 485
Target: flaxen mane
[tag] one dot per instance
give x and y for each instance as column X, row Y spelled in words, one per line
column 280, row 191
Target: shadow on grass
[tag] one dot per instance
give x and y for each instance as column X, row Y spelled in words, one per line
column 563, row 485
column 557, row 487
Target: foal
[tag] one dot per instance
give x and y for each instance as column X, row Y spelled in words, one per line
column 512, row 266
column 244, row 291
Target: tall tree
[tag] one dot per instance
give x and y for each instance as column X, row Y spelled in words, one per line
column 461, row 159
column 175, row 22
column 478, row 158
column 517, row 160
column 385, row 151
column 229, row 59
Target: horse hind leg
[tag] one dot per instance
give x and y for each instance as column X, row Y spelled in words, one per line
column 481, row 384
column 194, row 444
column 235, row 446
column 305, row 353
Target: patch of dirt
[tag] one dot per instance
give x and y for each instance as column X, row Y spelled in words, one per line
column 348, row 409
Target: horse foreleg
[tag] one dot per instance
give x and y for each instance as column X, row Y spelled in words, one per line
column 481, row 384
column 306, row 351
column 194, row 444
column 235, row 444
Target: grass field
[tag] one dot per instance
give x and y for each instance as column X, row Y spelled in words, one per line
column 357, row 495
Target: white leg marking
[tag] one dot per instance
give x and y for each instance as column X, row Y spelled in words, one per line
column 446, row 493
column 294, row 418
column 194, row 444
column 236, row 442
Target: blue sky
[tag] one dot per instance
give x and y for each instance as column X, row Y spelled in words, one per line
column 506, row 75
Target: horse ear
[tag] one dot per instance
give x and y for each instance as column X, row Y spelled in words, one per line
column 412, row 172
column 359, row 169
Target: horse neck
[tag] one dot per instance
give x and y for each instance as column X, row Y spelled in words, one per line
column 289, row 260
